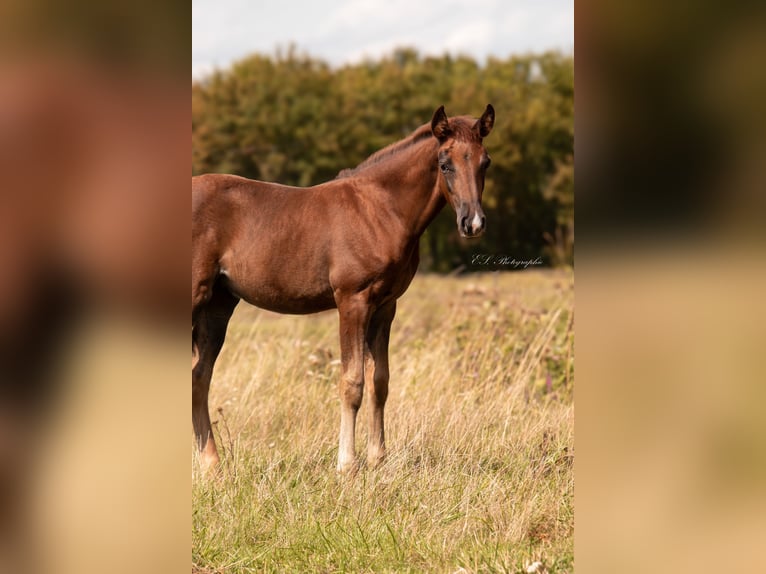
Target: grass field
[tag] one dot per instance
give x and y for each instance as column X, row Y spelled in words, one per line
column 479, row 425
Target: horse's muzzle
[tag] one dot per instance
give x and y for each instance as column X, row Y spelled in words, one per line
column 472, row 226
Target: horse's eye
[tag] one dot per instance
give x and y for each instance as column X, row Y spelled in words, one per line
column 444, row 167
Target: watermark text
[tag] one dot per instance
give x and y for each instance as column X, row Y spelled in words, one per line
column 489, row 259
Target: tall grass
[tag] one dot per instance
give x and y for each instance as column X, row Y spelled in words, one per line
column 479, row 427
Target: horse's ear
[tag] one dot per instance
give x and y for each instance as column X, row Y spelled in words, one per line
column 484, row 124
column 440, row 125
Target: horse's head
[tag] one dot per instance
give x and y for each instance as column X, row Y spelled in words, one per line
column 463, row 161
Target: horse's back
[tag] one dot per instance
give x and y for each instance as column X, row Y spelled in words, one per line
column 212, row 187
column 219, row 200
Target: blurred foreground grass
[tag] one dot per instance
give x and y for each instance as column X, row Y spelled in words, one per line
column 479, row 433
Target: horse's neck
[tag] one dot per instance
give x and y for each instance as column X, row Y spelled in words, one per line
column 433, row 204
column 411, row 180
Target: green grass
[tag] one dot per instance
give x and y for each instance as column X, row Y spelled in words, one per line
column 479, row 426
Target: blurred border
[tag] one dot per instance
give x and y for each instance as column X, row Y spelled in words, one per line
column 94, row 232
column 670, row 141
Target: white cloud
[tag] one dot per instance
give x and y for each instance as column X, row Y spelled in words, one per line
column 472, row 36
column 342, row 31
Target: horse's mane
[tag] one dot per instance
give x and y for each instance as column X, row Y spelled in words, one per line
column 462, row 128
column 420, row 134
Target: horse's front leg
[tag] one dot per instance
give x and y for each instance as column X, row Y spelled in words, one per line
column 376, row 379
column 354, row 315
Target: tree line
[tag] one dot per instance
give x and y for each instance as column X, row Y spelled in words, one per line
column 296, row 120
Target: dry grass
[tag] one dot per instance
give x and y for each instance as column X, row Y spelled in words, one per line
column 479, row 432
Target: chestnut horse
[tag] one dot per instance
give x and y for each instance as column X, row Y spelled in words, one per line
column 351, row 244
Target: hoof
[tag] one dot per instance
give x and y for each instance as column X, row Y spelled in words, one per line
column 348, row 468
column 209, row 464
column 376, row 460
column 376, row 454
column 208, row 458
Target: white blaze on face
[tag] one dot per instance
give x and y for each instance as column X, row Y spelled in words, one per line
column 476, row 223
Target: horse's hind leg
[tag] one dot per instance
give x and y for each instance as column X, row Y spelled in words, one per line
column 208, row 333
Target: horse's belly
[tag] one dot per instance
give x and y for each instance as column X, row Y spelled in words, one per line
column 283, row 297
column 278, row 277
column 293, row 306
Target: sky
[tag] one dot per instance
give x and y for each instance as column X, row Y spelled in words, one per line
column 348, row 31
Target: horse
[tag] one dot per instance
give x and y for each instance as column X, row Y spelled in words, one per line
column 351, row 244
